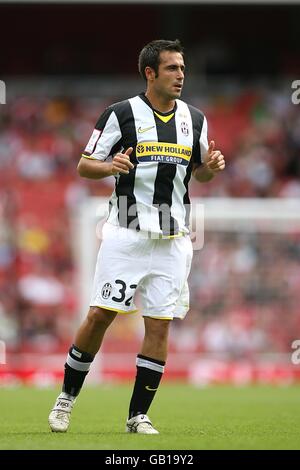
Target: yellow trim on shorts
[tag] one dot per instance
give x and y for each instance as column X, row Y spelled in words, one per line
column 178, row 235
column 115, row 309
column 158, row 318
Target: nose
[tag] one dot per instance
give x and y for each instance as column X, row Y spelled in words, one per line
column 181, row 74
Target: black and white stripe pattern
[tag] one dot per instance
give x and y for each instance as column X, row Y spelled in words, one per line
column 153, row 197
column 150, row 364
column 78, row 360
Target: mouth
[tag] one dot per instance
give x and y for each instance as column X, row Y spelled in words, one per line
column 178, row 86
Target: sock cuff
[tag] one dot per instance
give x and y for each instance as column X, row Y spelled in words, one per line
column 156, row 361
column 149, row 363
column 78, row 355
column 79, row 360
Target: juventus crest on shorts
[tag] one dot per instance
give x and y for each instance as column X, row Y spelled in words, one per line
column 154, row 196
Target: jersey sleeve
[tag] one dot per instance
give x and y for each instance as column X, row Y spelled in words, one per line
column 203, row 140
column 200, row 143
column 105, row 137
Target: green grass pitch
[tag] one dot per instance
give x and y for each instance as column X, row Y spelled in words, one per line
column 220, row 417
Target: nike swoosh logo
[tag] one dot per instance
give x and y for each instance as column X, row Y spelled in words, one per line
column 150, row 389
column 140, row 130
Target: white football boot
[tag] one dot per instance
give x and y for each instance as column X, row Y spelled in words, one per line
column 59, row 418
column 140, row 424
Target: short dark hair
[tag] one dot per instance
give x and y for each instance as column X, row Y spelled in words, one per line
column 150, row 54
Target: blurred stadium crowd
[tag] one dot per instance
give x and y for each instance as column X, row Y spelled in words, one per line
column 244, row 287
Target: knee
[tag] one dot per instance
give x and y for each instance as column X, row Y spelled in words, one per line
column 157, row 331
column 100, row 318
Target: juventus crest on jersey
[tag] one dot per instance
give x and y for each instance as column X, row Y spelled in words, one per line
column 153, row 197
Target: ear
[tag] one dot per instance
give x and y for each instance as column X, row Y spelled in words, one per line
column 150, row 73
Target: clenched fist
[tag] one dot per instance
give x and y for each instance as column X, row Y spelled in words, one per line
column 121, row 163
column 214, row 159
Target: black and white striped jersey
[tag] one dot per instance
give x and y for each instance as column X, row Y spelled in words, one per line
column 154, row 196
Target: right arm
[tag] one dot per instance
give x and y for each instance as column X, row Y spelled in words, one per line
column 104, row 141
column 96, row 169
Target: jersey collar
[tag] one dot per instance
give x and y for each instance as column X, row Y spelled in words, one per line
column 145, row 99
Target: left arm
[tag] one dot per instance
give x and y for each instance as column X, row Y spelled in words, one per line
column 213, row 163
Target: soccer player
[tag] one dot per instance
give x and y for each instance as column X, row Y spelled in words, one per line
column 151, row 144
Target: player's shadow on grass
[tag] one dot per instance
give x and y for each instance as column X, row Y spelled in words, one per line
column 73, row 433
column 26, row 433
column 98, row 433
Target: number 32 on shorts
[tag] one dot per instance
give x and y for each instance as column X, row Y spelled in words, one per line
column 122, row 292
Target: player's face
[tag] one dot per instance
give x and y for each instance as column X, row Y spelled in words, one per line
column 169, row 81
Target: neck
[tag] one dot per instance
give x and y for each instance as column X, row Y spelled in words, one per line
column 160, row 103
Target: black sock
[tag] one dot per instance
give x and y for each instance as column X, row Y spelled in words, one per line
column 76, row 368
column 149, row 373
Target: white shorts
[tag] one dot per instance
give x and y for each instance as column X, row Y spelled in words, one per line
column 157, row 268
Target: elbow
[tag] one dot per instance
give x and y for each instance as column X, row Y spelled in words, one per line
column 81, row 169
